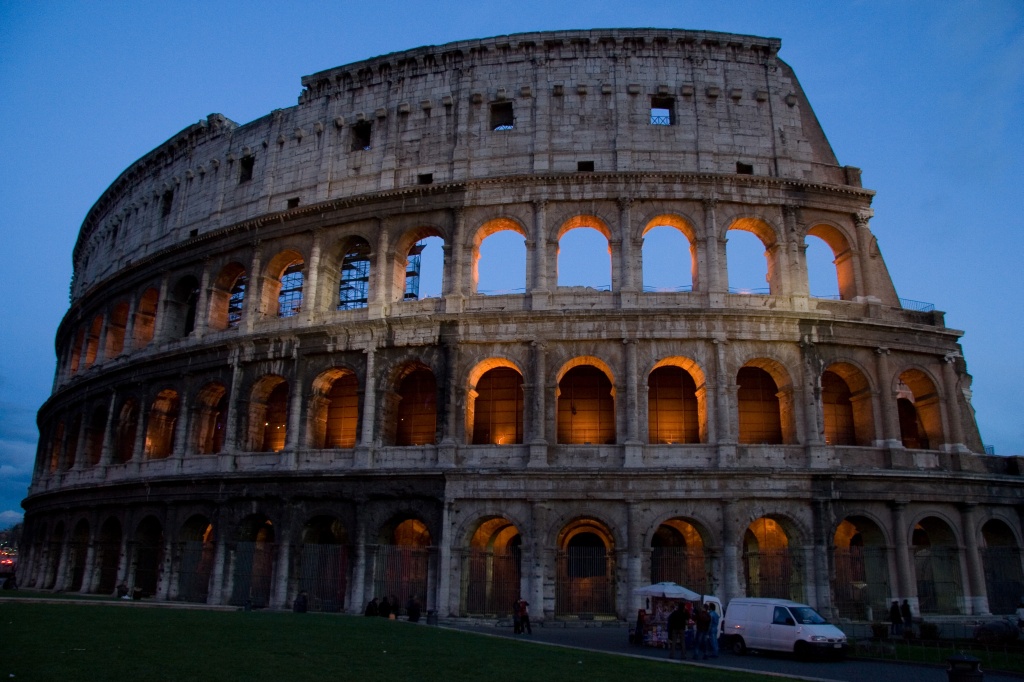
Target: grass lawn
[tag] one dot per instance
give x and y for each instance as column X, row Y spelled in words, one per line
column 126, row 641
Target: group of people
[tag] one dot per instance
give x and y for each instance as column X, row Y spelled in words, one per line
column 389, row 609
column 900, row 615
column 694, row 627
column 521, row 616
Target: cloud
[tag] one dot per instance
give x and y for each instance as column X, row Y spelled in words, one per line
column 9, row 518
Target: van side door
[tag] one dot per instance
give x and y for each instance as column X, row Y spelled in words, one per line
column 759, row 618
column 783, row 630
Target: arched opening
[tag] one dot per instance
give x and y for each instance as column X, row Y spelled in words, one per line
column 227, row 297
column 673, row 415
column 163, row 416
column 54, row 546
column 751, row 258
column 860, row 583
column 937, row 568
column 424, row 269
column 148, row 555
column 354, row 276
column 416, row 412
column 585, row 570
column 402, row 562
column 181, row 307
column 678, row 555
column 75, row 359
column 71, row 445
column 94, row 432
column 769, row 568
column 584, row 254
column 1001, row 559
column 669, row 255
column 92, row 341
column 253, row 562
column 195, row 564
column 847, row 406
column 586, row 406
column 268, row 414
column 56, row 446
column 334, row 410
column 77, row 553
column 108, row 556
column 127, row 428
column 496, row 407
column 211, row 419
column 499, row 259
column 324, row 564
column 492, row 568
column 758, row 407
column 116, row 325
column 830, row 272
column 145, row 318
column 917, row 402
column 283, row 285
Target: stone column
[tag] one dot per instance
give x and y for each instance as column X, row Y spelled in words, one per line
column 367, row 443
column 282, row 573
column 715, row 280
column 887, row 402
column 310, row 312
column 796, row 252
column 625, row 280
column 634, row 551
column 540, row 289
column 107, row 452
column 202, row 322
column 539, row 514
column 906, row 580
column 727, row 434
column 445, row 605
column 977, row 599
column 216, row 592
column 458, row 262
column 129, row 326
column 253, row 292
column 955, row 439
column 633, row 446
column 358, row 598
column 865, row 283
column 730, row 578
column 538, row 413
column 380, row 269
column 296, row 398
column 160, row 324
column 231, row 421
column 822, row 524
column 83, row 442
column 181, row 426
column 90, row 559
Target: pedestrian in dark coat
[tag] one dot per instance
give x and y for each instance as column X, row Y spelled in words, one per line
column 371, row 608
column 895, row 619
column 908, row 618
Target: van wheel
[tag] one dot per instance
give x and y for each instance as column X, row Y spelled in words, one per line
column 737, row 646
column 802, row 650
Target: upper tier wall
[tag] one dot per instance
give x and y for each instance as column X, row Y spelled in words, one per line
column 428, row 115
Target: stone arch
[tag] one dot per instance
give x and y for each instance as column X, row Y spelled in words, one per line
column 92, row 341
column 95, row 431
column 268, row 414
column 839, row 243
column 334, row 409
column 253, row 557
column 494, row 402
column 684, row 227
column 768, row 235
column 491, row 567
column 227, row 297
column 487, row 229
column 145, row 318
column 108, row 555
column 179, row 309
column 75, row 356
column 405, row 247
column 196, row 551
column 283, row 284
column 936, row 551
column 117, row 323
column 69, row 453
column 861, row 585
column 57, row 434
column 404, row 560
column 680, row 554
column 347, row 273
column 1001, row 562
column 585, row 571
column 847, row 405
column 147, row 555
column 919, row 409
column 585, row 402
column 409, row 406
column 765, row 403
column 211, row 414
column 127, row 429
column 584, row 221
column 324, row 563
column 161, row 423
column 677, row 410
column 54, row 548
column 771, row 567
column 78, row 552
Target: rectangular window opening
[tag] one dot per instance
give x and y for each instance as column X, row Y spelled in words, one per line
column 425, row 179
column 361, row 136
column 193, row 233
column 663, row 111
column 502, row 117
column 245, row 166
column 293, row 202
column 584, row 166
column 744, row 168
column 166, row 202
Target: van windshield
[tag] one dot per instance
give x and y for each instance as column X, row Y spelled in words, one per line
column 805, row 615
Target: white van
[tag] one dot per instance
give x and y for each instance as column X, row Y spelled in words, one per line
column 779, row 625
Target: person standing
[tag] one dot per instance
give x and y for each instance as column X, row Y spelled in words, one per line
column 908, row 617
column 895, row 619
column 677, row 632
column 524, row 616
column 371, row 608
column 703, row 621
column 517, row 617
column 716, row 619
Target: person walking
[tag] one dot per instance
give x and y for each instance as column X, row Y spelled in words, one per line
column 716, row 620
column 677, row 632
column 895, row 619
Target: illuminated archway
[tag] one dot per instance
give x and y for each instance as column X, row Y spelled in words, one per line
column 769, row 567
column 860, row 583
column 585, row 569
column 253, row 559
column 679, row 555
column 403, row 562
column 323, row 563
column 196, row 551
column 492, row 568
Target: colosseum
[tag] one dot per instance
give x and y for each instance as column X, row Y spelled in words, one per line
column 253, row 398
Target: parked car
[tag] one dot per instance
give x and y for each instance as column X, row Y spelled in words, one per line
column 780, row 625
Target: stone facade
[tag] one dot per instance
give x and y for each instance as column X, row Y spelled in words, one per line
column 225, row 428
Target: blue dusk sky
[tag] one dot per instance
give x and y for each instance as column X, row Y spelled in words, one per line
column 926, row 97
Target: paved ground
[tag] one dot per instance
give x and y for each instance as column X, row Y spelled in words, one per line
column 614, row 640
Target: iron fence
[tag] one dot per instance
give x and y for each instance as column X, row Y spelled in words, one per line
column 860, row 588
column 251, row 574
column 584, row 582
column 939, row 590
column 490, row 581
column 1003, row 579
column 323, row 575
column 684, row 566
column 401, row 572
column 196, row 562
column 772, row 573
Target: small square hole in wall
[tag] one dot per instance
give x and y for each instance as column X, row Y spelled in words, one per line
column 361, row 136
column 425, row 179
column 245, row 166
column 744, row 168
column 293, row 202
column 663, row 111
column 502, row 117
column 584, row 166
column 193, row 233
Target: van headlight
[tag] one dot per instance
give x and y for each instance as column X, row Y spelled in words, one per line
column 818, row 638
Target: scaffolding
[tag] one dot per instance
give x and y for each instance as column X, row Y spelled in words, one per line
column 355, row 280
column 412, row 272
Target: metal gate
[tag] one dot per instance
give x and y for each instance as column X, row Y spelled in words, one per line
column 490, row 581
column 860, row 586
column 585, row 582
column 401, row 572
column 323, row 575
column 194, row 572
column 108, row 555
column 772, row 573
column 1003, row 580
column 688, row 567
column 252, row 571
column 939, row 590
column 76, row 555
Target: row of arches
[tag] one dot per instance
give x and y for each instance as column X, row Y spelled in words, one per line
column 258, row 563
column 358, row 270
column 331, row 415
